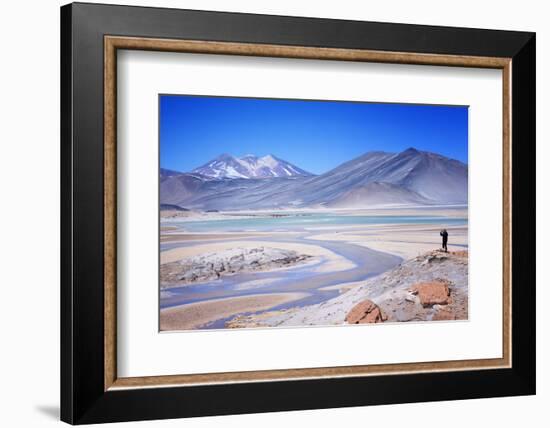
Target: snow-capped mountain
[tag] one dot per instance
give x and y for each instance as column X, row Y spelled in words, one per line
column 411, row 177
column 249, row 166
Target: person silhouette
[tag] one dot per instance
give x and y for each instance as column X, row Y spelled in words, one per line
column 445, row 236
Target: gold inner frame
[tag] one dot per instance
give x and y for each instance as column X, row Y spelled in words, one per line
column 113, row 43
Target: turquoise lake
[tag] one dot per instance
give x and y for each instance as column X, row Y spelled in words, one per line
column 303, row 221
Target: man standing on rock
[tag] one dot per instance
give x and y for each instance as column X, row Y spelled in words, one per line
column 444, row 235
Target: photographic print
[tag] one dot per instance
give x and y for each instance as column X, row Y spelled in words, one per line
column 297, row 213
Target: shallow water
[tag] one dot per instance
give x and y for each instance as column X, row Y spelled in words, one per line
column 301, row 278
column 302, row 221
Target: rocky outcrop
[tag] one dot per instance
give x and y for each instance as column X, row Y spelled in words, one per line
column 430, row 287
column 211, row 266
column 365, row 312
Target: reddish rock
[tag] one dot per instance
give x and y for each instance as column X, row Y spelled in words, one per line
column 444, row 314
column 461, row 253
column 365, row 312
column 432, row 293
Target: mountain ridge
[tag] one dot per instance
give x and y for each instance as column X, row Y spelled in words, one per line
column 375, row 178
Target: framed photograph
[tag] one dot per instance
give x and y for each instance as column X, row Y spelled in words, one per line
column 265, row 213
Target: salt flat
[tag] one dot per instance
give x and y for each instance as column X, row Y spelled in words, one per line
column 340, row 255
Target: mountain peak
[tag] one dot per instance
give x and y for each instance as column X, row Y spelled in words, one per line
column 249, row 166
column 411, row 150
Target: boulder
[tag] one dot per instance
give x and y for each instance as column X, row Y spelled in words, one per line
column 432, row 293
column 365, row 312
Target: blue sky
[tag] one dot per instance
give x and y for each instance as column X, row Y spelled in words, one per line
column 314, row 135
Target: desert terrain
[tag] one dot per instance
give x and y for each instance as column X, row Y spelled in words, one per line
column 304, row 267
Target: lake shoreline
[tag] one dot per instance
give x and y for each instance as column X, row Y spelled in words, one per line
column 341, row 253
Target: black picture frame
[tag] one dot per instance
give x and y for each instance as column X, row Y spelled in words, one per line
column 83, row 396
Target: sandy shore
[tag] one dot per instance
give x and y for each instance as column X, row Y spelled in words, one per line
column 405, row 241
column 443, row 210
column 174, row 234
column 193, row 315
column 184, row 237
column 343, row 287
column 334, row 262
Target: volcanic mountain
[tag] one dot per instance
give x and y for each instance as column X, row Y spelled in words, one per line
column 249, row 166
column 165, row 173
column 411, row 177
